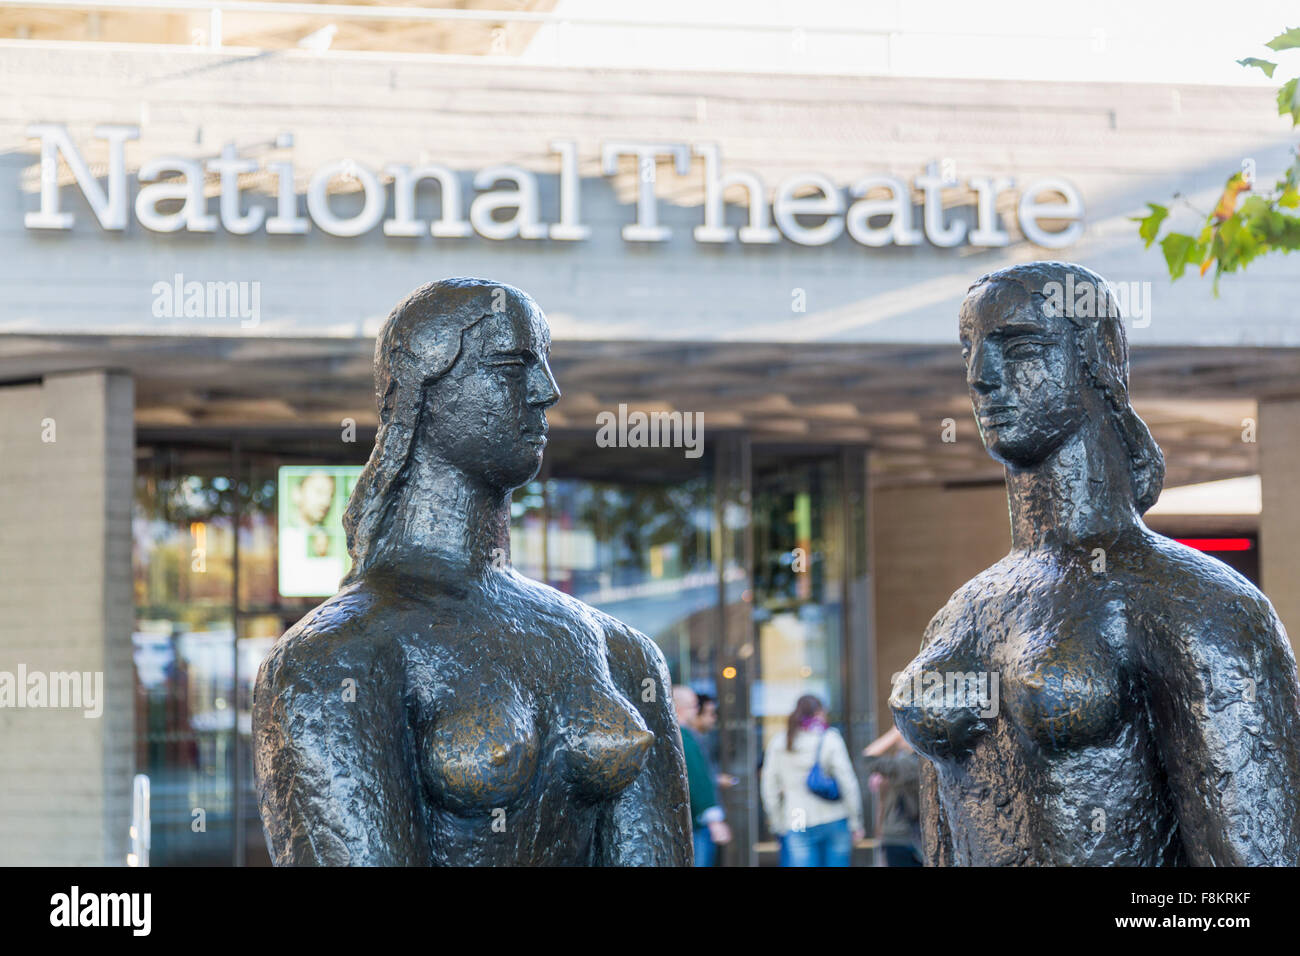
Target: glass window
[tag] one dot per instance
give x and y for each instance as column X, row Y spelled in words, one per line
column 798, row 577
column 183, row 650
column 799, row 569
column 643, row 553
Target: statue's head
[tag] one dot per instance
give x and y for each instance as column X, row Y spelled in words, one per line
column 461, row 376
column 1045, row 354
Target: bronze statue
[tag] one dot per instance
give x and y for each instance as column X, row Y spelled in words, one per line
column 1102, row 695
column 442, row 709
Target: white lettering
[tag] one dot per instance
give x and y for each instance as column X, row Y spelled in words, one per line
column 1031, row 210
column 646, row 228
column 808, row 208
column 449, row 225
column 109, row 208
column 318, row 205
column 715, row 228
column 192, row 216
column 898, row 207
column 229, row 166
column 789, row 206
column 569, row 228
column 523, row 197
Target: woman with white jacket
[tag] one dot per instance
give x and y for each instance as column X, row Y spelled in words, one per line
column 814, row 830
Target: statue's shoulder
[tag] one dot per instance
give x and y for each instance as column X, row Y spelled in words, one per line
column 1192, row 580
column 336, row 637
column 957, row 617
column 1203, row 597
column 989, row 583
column 628, row 647
column 620, row 637
column 628, row 650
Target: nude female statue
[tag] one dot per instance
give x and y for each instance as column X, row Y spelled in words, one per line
column 1148, row 709
column 442, row 709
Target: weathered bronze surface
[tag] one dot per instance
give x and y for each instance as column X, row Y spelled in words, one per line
column 1148, row 710
column 442, row 709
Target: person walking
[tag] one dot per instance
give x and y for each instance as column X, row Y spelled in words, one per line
column 898, row 822
column 810, row 790
column 708, row 819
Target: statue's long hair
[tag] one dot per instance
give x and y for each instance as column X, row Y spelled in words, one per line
column 418, row 344
column 1103, row 352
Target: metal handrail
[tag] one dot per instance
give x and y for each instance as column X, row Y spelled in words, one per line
column 381, row 12
column 216, row 8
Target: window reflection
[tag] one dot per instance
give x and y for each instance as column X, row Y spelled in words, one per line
column 642, row 553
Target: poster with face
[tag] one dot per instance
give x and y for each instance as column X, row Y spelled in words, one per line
column 313, row 551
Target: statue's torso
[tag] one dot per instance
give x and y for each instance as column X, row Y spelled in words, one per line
column 519, row 732
column 1066, row 770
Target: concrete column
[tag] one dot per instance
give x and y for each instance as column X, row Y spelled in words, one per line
column 1279, row 519
column 66, row 608
column 926, row 543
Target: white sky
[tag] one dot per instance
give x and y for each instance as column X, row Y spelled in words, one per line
column 1192, row 41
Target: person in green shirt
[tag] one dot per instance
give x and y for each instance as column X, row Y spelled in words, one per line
column 708, row 819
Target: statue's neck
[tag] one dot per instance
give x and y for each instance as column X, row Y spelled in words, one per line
column 445, row 521
column 1080, row 494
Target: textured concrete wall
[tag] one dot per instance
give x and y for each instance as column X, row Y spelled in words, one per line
column 66, row 606
column 928, row 542
column 1279, row 519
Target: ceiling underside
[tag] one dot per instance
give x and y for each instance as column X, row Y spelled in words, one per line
column 893, row 398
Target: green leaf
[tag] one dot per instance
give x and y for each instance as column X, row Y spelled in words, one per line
column 1246, row 224
column 1274, row 225
column 1216, row 254
column 1229, row 229
column 1149, row 225
column 1286, row 40
column 1177, row 248
column 1248, row 247
column 1290, row 234
column 1292, row 178
column 1266, row 65
column 1256, row 219
column 1236, row 245
column 1287, row 101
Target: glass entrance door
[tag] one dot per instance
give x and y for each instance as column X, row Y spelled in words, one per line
column 809, row 590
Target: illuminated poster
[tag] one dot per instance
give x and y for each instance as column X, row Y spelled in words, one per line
column 312, row 546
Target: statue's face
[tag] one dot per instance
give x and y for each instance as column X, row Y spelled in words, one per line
column 1022, row 368
column 487, row 414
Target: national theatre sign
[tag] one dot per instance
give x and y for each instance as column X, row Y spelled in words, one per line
column 806, row 208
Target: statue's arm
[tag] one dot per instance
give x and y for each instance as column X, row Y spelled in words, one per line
column 650, row 822
column 936, row 840
column 936, row 837
column 1227, row 717
column 332, row 759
